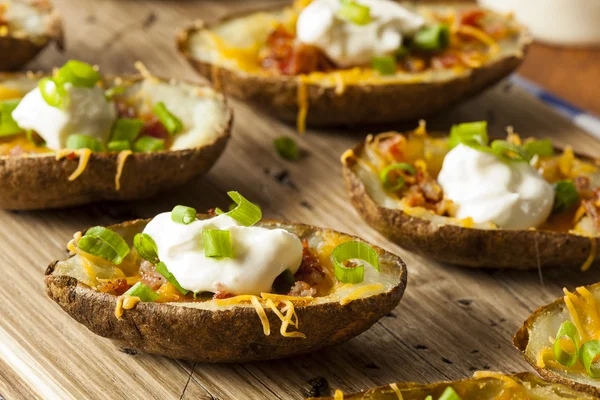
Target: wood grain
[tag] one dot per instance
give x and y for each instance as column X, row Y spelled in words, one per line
column 452, row 321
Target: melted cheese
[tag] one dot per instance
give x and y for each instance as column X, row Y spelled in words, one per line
column 359, row 292
column 480, row 35
column 394, row 387
column 509, row 381
column 283, row 298
column 125, row 303
column 339, row 395
column 545, row 352
column 7, row 93
column 121, row 158
column 84, row 158
column 302, row 105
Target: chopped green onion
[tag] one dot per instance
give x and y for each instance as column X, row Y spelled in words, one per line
column 430, row 397
column 51, row 92
column 162, row 269
column 113, row 91
column 104, row 243
column 8, row 125
column 284, row 282
column 468, row 133
column 143, row 292
column 565, row 196
column 567, row 331
column 78, row 73
column 387, row 183
column 542, row 148
column 354, row 12
column 146, row 247
column 432, row 38
column 170, row 121
column 449, row 394
column 183, row 215
column 384, row 65
column 76, row 141
column 286, row 148
column 588, row 354
column 118, row 145
column 126, row 129
column 246, row 213
column 510, row 151
column 401, row 52
column 148, row 144
column 217, row 243
column 353, row 250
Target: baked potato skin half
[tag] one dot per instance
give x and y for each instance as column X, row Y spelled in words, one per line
column 522, row 249
column 224, row 336
column 359, row 103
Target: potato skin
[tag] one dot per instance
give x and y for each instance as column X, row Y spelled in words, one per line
column 468, row 247
column 230, row 335
column 358, row 104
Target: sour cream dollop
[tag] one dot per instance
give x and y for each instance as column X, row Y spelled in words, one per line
column 512, row 195
column 260, row 255
column 349, row 44
column 86, row 112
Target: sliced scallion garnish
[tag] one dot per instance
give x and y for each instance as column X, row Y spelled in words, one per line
column 449, row 394
column 468, row 133
column 162, row 269
column 118, row 145
column 246, row 212
column 565, row 196
column 78, row 73
column 143, row 292
column 589, row 354
column 432, row 38
column 76, row 141
column 542, row 148
column 183, row 215
column 284, row 282
column 217, row 243
column 104, row 243
column 354, row 12
column 148, row 144
column 170, row 121
column 510, row 151
column 384, row 65
column 349, row 251
column 146, row 247
column 385, row 179
column 113, row 91
column 286, row 148
column 52, row 92
column 567, row 335
column 126, row 129
column 8, row 126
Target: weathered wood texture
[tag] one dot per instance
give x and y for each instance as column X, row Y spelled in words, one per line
column 451, row 321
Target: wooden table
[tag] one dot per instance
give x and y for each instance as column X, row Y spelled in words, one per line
column 451, row 321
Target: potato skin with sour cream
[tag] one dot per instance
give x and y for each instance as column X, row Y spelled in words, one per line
column 227, row 333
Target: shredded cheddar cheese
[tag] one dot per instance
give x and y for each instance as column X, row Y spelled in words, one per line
column 7, row 93
column 394, row 387
column 468, row 30
column 262, row 315
column 339, row 395
column 569, row 299
column 282, row 298
column 121, row 158
column 359, row 292
column 545, row 352
column 510, row 382
column 84, row 158
column 286, row 320
column 302, row 105
column 125, row 303
column 592, row 256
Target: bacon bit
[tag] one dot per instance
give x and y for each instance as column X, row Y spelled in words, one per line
column 394, row 146
column 71, row 156
column 472, row 17
column 311, row 272
column 592, row 209
column 444, row 61
column 583, row 186
column 222, row 295
column 124, row 110
column 154, row 128
column 150, row 276
column 118, row 286
column 414, row 64
column 212, row 212
column 302, row 289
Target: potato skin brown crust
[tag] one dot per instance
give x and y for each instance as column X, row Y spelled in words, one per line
column 358, row 104
column 468, row 247
column 230, row 335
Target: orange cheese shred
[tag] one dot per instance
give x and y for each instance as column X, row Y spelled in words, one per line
column 339, row 395
column 125, row 303
column 358, row 293
column 84, row 158
column 592, row 256
column 121, row 158
column 302, row 98
column 569, row 299
column 394, row 387
column 255, row 303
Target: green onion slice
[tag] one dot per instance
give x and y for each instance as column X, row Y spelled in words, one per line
column 170, row 121
column 401, row 52
column 284, row 282
column 510, row 151
column 286, row 148
column 430, row 397
column 126, row 129
column 183, row 215
column 118, row 145
column 449, row 394
column 146, row 247
column 589, row 354
column 387, row 183
column 469, row 133
column 432, row 38
column 162, row 269
column 113, row 91
column 565, row 196
column 354, row 12
column 104, row 243
column 142, row 291
column 246, row 212
column 51, row 92
column 8, row 126
column 384, row 65
column 217, row 243
column 78, row 73
column 353, row 250
column 567, row 331
column 542, row 148
column 148, row 144
column 76, row 141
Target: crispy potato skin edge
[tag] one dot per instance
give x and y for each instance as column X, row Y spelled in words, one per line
column 463, row 246
column 225, row 336
column 359, row 104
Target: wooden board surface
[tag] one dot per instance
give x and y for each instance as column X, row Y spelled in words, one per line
column 451, row 321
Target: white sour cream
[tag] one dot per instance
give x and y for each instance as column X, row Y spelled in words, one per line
column 512, row 195
column 260, row 255
column 349, row 44
column 86, row 112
